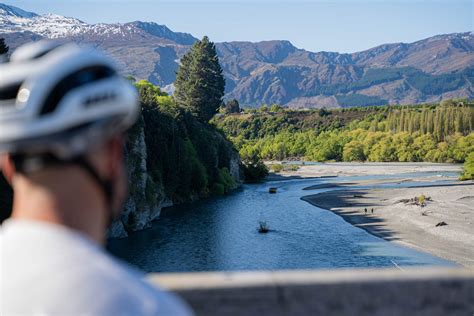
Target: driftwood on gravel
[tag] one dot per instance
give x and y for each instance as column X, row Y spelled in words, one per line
column 417, row 200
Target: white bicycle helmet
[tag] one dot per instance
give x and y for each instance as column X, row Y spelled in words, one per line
column 62, row 99
column 59, row 100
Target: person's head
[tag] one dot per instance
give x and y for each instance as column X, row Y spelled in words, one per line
column 63, row 112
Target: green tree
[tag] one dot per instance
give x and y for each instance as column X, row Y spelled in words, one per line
column 254, row 168
column 353, row 151
column 390, row 133
column 3, row 47
column 276, row 108
column 323, row 112
column 468, row 167
column 232, row 106
column 199, row 82
column 383, row 151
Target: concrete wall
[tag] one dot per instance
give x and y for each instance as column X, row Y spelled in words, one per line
column 336, row 292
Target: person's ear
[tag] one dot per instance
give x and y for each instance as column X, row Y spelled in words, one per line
column 8, row 168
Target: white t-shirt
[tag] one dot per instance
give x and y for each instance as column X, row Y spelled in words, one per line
column 47, row 269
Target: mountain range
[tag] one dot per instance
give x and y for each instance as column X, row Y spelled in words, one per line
column 270, row 72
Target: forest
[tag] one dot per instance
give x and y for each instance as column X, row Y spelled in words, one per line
column 347, row 96
column 184, row 155
column 431, row 132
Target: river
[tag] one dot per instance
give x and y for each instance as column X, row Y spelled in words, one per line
column 220, row 234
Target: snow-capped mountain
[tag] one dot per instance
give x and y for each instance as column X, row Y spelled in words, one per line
column 12, row 11
column 13, row 19
column 269, row 72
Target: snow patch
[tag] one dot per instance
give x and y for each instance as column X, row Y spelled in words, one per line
column 56, row 26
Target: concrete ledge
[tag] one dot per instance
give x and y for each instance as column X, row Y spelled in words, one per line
column 335, row 292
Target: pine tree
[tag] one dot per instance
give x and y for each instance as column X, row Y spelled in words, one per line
column 3, row 47
column 199, row 81
column 232, row 106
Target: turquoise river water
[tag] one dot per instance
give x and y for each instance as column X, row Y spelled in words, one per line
column 221, row 234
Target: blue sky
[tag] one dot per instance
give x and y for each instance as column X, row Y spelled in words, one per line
column 315, row 25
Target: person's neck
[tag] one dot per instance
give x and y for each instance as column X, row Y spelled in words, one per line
column 65, row 197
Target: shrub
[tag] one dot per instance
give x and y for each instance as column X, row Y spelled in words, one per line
column 422, row 199
column 277, row 168
column 218, row 189
column 353, row 151
column 254, row 169
column 226, row 179
column 468, row 168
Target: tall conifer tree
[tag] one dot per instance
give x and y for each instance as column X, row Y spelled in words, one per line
column 3, row 47
column 199, row 82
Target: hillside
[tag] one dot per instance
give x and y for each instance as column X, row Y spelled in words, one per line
column 435, row 133
column 277, row 72
column 270, row 72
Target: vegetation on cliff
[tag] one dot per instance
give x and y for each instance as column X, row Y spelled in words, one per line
column 188, row 158
column 173, row 153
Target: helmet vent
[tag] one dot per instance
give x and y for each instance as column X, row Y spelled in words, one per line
column 100, row 98
column 10, row 92
column 78, row 79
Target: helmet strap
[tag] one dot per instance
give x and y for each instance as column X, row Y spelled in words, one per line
column 105, row 184
column 27, row 164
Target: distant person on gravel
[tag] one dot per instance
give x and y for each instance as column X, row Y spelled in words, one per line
column 63, row 114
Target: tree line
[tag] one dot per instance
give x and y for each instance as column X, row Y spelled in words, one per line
column 435, row 133
column 450, row 117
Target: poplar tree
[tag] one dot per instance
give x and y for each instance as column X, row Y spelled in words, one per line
column 430, row 122
column 199, row 82
column 423, row 122
column 401, row 126
column 458, row 123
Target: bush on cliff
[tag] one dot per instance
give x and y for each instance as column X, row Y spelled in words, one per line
column 184, row 155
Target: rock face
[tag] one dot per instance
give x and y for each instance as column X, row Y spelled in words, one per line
column 146, row 197
column 273, row 71
column 277, row 72
column 140, row 208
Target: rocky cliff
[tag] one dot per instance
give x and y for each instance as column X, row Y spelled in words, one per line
column 148, row 195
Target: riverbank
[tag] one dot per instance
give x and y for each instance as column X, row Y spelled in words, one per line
column 396, row 217
column 363, row 168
